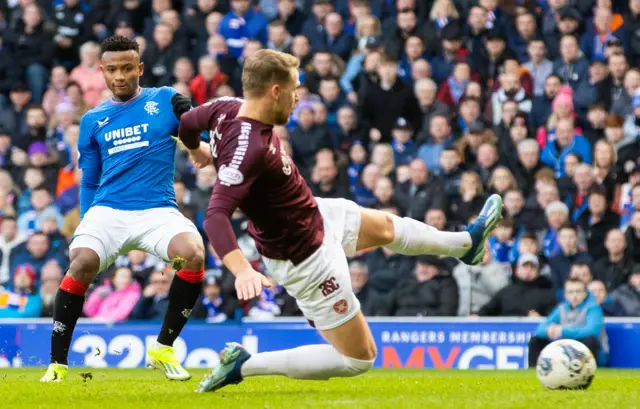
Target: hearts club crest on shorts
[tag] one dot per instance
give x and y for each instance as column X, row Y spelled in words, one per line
column 341, row 307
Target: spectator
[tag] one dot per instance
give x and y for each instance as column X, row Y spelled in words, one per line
column 36, row 253
column 510, row 89
column 431, row 292
column 579, row 317
column 13, row 118
column 325, row 180
column 541, row 104
column 529, row 294
column 154, row 301
column 566, row 142
column 114, row 300
column 21, row 301
column 240, row 24
column 291, row 16
column 422, row 192
column 11, row 239
column 623, row 104
column 42, row 208
column 606, row 25
column 160, row 56
column 538, row 66
column 57, row 90
column 440, row 137
column 613, row 268
column 610, row 308
column 501, row 241
column 632, row 121
column 72, row 18
column 572, row 67
column 50, row 279
column 582, row 272
column 382, row 104
column 217, row 307
column 568, row 255
column 88, row 74
column 597, row 221
column 477, row 285
column 203, row 86
column 628, row 294
column 468, row 199
column 625, row 144
column 33, row 50
column 369, row 298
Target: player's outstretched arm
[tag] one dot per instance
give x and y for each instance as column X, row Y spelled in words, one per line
column 232, row 188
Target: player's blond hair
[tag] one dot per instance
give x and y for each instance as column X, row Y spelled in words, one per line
column 264, row 68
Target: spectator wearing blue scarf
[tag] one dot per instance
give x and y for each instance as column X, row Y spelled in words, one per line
column 357, row 162
column 212, row 304
column 267, row 306
column 403, row 146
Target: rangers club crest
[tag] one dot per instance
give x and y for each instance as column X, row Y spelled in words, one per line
column 151, row 108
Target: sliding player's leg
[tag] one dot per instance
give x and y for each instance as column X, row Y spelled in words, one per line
column 321, row 286
column 351, row 352
column 412, row 237
column 174, row 238
column 93, row 248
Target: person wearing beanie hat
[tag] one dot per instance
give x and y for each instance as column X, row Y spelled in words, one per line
column 20, row 301
column 562, row 107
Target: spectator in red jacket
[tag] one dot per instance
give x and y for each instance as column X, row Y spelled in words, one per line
column 204, row 86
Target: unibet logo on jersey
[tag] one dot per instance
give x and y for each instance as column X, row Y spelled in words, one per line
column 127, row 138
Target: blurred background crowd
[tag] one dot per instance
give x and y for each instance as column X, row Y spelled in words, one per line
column 416, row 107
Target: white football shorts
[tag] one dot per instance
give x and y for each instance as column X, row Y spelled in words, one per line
column 321, row 284
column 111, row 232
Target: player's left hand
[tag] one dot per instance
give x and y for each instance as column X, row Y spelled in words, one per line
column 202, row 156
column 181, row 104
column 249, row 284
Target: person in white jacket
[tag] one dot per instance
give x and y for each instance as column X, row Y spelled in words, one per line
column 10, row 238
column 478, row 284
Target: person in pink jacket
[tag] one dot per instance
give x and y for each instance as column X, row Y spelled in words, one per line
column 114, row 300
column 88, row 74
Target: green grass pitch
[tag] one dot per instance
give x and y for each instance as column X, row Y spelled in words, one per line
column 415, row 389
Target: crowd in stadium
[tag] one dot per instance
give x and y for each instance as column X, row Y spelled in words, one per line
column 417, row 107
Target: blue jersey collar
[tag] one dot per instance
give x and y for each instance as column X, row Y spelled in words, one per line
column 115, row 102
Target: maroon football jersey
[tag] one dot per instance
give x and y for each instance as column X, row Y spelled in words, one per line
column 256, row 175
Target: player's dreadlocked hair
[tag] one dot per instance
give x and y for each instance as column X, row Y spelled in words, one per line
column 119, row 43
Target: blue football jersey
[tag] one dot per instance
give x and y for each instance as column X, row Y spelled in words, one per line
column 131, row 144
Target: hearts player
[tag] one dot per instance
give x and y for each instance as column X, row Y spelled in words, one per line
column 304, row 241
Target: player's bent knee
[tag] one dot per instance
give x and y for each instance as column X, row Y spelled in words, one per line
column 388, row 232
column 357, row 367
column 84, row 265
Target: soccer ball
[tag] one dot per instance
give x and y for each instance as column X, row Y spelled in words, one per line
column 566, row 364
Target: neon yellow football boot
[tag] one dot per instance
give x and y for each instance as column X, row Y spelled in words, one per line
column 164, row 359
column 55, row 373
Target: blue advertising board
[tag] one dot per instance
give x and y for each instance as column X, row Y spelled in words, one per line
column 402, row 343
